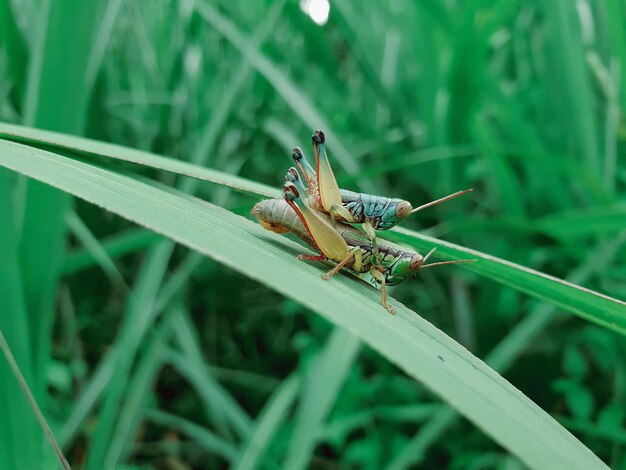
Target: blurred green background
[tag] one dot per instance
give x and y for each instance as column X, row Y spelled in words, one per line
column 521, row 100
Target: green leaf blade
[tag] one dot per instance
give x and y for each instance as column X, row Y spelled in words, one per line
column 406, row 339
column 587, row 304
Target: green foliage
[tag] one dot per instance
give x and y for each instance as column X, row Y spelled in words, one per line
column 411, row 343
column 142, row 352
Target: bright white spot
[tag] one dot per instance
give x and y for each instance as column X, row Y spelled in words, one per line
column 316, row 9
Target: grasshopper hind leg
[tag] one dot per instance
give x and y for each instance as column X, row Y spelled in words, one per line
column 340, row 265
column 303, row 257
column 307, row 170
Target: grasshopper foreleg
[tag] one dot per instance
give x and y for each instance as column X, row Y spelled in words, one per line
column 380, row 277
column 371, row 233
column 337, row 210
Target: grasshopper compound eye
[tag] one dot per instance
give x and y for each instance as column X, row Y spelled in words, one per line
column 403, row 209
column 416, row 262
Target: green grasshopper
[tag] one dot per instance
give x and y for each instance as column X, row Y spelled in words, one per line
column 347, row 245
column 374, row 212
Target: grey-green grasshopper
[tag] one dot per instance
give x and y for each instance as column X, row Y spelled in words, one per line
column 347, row 245
column 374, row 212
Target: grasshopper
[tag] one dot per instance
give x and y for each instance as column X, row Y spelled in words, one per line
column 347, row 245
column 374, row 212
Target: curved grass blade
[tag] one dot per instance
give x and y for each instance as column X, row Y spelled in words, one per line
column 407, row 340
column 254, row 450
column 15, row 368
column 320, row 390
column 585, row 303
column 208, row 440
column 73, row 145
column 572, row 225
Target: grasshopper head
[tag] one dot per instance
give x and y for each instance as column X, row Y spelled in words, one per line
column 407, row 265
column 396, row 210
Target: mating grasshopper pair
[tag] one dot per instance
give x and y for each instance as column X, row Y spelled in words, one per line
column 317, row 213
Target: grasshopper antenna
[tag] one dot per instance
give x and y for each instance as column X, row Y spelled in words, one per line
column 428, row 255
column 441, row 263
column 439, row 201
